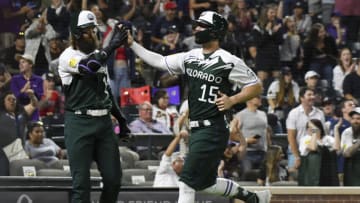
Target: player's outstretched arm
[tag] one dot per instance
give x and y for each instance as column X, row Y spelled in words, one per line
column 153, row 59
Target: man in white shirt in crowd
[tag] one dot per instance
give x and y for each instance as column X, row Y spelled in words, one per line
column 167, row 175
column 296, row 126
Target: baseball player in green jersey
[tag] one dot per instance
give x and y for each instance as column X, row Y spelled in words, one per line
column 211, row 73
column 88, row 130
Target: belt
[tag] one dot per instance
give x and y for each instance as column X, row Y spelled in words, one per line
column 92, row 112
column 199, row 123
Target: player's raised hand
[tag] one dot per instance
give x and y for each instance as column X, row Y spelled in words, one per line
column 223, row 102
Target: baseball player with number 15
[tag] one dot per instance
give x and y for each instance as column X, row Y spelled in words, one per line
column 88, row 130
column 211, row 73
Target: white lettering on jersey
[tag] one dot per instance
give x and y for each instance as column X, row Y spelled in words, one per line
column 203, row 76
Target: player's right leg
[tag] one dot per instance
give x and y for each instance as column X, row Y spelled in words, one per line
column 186, row 193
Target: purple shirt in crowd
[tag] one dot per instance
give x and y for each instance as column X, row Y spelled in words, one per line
column 36, row 82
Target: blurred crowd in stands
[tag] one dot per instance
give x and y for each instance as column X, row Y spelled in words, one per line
column 305, row 52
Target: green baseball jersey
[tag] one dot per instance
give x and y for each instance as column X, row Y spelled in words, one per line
column 82, row 91
column 206, row 75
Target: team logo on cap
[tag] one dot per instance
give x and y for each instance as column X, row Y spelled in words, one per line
column 90, row 16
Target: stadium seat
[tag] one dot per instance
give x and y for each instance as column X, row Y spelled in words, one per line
column 128, row 158
column 25, row 167
column 151, row 165
column 131, row 112
column 53, row 172
column 252, row 175
column 138, row 177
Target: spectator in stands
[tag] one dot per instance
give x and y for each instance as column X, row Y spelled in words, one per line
column 11, row 54
column 255, row 128
column 318, row 156
column 145, row 123
column 49, row 104
column 231, row 41
column 120, row 64
column 350, row 145
column 167, row 175
column 101, row 20
column 345, row 66
column 273, row 169
column 267, row 38
column 290, row 49
column 242, row 16
column 11, row 18
column 182, row 126
column 25, row 81
column 162, row 111
column 320, row 90
column 13, row 120
column 296, row 127
column 350, row 18
column 230, row 165
column 342, row 116
column 328, row 107
column 351, row 89
column 172, row 45
column 327, row 8
column 196, row 7
column 337, row 30
column 320, row 52
column 58, row 16
column 302, row 20
column 283, row 94
column 5, row 78
column 37, row 38
column 163, row 23
column 37, row 146
column 118, row 9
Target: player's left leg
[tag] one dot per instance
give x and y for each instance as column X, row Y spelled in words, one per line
column 229, row 188
column 108, row 160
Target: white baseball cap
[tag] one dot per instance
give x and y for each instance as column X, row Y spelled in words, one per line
column 27, row 57
column 310, row 74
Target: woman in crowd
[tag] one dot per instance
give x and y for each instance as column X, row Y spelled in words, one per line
column 13, row 119
column 39, row 147
column 318, row 156
column 283, row 94
column 320, row 52
column 290, row 49
column 162, row 111
column 345, row 66
column 272, row 169
column 267, row 38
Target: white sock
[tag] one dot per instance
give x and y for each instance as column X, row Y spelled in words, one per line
column 186, row 193
column 223, row 187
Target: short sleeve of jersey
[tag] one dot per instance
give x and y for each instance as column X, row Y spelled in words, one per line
column 175, row 63
column 68, row 61
column 273, row 90
column 346, row 139
column 241, row 75
column 68, row 64
column 291, row 120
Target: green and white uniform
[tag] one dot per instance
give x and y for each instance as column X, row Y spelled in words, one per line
column 88, row 128
column 206, row 75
